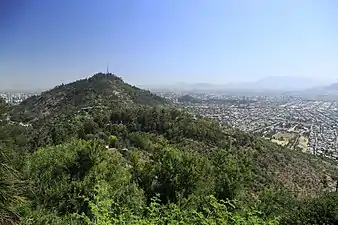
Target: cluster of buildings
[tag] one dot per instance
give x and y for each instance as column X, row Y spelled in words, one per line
column 310, row 126
column 15, row 97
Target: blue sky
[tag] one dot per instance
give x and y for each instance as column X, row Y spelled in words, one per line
column 44, row 43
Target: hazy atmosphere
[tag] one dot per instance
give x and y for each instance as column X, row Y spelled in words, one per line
column 163, row 112
column 44, row 43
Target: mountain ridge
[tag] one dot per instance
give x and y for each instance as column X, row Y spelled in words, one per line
column 269, row 83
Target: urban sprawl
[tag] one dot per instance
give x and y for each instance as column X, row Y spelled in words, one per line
column 309, row 126
column 15, row 97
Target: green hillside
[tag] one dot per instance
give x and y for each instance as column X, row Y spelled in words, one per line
column 100, row 90
column 140, row 160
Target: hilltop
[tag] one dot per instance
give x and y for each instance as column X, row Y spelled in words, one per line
column 100, row 90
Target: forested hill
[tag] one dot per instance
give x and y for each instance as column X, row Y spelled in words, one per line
column 100, row 90
column 133, row 159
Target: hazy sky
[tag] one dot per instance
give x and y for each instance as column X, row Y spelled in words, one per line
column 45, row 42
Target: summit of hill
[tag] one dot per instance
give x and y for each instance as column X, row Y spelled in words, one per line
column 100, row 90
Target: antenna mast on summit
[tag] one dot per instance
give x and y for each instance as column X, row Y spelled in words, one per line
column 107, row 69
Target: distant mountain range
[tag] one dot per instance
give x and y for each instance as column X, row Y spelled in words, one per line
column 326, row 92
column 333, row 86
column 271, row 83
column 283, row 83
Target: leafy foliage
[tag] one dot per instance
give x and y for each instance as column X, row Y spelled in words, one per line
column 323, row 210
column 11, row 185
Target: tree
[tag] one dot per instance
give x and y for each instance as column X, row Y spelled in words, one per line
column 112, row 141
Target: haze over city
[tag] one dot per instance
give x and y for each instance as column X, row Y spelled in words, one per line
column 44, row 43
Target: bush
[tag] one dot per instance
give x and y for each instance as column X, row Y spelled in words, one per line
column 322, row 210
